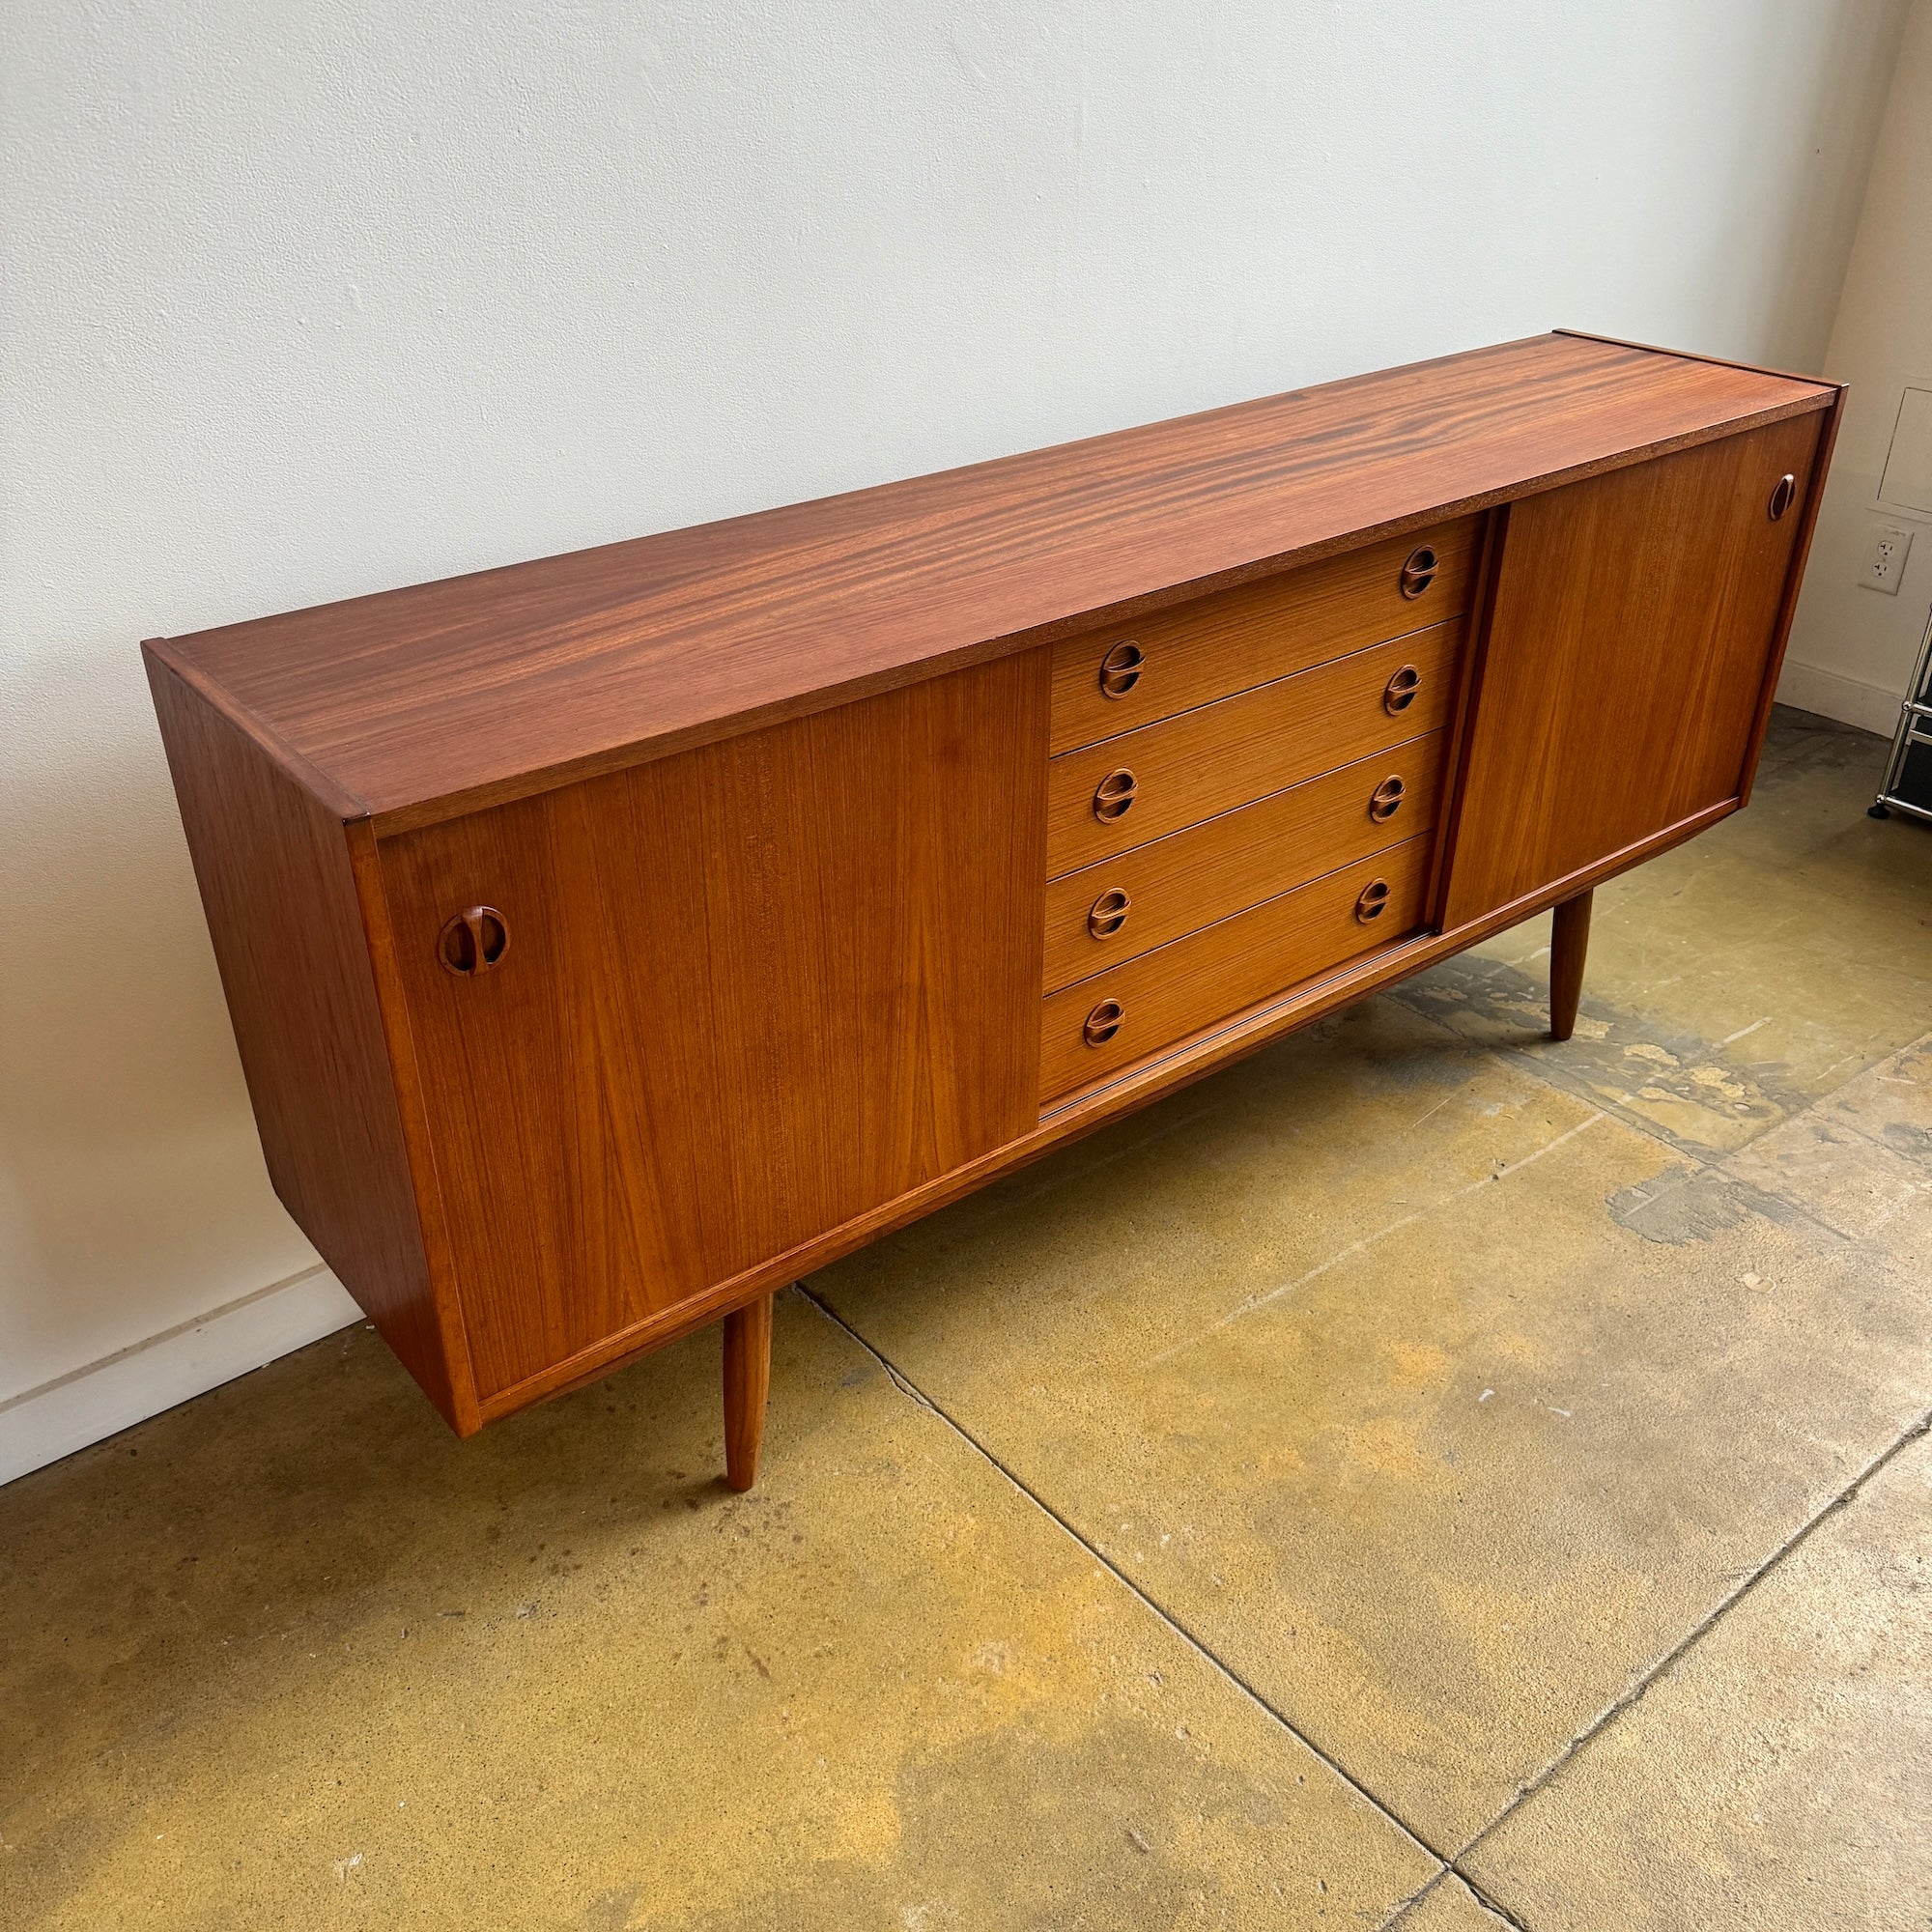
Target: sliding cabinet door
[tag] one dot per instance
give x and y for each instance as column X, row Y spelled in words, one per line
column 1635, row 621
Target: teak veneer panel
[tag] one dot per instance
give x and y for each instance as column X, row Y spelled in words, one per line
column 285, row 915
column 1189, row 984
column 1228, row 753
column 751, row 992
column 1634, row 629
column 1255, row 633
column 417, row 704
column 1194, row 877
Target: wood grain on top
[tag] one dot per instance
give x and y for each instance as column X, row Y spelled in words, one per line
column 413, row 705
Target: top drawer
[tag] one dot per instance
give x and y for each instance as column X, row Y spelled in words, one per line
column 1128, row 791
column 1111, row 680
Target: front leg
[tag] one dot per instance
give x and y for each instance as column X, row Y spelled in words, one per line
column 748, row 1379
column 1569, row 942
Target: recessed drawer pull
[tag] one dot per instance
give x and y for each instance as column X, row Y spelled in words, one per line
column 1120, row 670
column 1385, row 801
column 1782, row 494
column 473, row 940
column 1103, row 1023
column 1418, row 573
column 1400, row 692
column 1108, row 913
column 1114, row 795
column 1373, row 901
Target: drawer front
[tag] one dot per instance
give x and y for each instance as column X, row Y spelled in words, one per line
column 1108, row 798
column 1104, row 915
column 1113, row 680
column 1163, row 997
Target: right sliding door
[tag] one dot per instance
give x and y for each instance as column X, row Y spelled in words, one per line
column 1628, row 646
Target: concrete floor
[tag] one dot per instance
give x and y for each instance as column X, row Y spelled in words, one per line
column 1421, row 1476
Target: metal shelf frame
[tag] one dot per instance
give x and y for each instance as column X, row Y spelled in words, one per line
column 1915, row 727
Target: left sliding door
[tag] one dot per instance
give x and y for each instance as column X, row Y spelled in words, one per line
column 739, row 996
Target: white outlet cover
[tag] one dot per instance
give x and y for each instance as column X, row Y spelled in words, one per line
column 1899, row 541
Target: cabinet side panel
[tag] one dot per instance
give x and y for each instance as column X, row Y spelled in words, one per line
column 1634, row 621
column 276, row 884
column 751, row 992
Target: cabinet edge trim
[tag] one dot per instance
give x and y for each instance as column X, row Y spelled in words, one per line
column 1695, row 355
column 418, row 1146
column 1794, row 582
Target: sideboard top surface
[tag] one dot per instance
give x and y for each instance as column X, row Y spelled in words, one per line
column 411, row 705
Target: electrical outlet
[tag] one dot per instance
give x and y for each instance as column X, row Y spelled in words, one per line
column 1885, row 560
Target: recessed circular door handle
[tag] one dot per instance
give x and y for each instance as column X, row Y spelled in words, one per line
column 1114, row 795
column 1385, row 801
column 1106, row 916
column 1120, row 670
column 472, row 940
column 1373, row 901
column 1418, row 572
column 1400, row 692
column 1103, row 1023
column 1782, row 494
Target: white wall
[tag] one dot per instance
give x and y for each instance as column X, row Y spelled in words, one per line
column 1852, row 648
column 311, row 299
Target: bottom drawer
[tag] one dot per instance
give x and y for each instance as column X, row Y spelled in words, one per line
column 1116, row 1018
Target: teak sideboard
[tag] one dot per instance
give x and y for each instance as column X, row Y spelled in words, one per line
column 612, row 939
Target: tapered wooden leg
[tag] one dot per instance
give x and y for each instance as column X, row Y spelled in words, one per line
column 1569, row 942
column 747, row 1379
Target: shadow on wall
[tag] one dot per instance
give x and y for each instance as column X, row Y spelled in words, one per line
column 1811, row 210
column 128, row 1158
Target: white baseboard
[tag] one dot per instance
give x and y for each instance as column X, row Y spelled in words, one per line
column 41, row 1425
column 1831, row 694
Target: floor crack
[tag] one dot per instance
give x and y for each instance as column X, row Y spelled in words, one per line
column 1364, row 1242
column 1490, row 1903
column 1752, row 1578
column 911, row 1389
column 1449, row 1875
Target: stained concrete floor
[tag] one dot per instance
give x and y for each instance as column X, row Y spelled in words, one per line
column 1423, row 1476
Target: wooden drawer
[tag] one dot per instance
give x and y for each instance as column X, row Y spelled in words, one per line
column 1195, row 877
column 1191, row 654
column 1165, row 996
column 1209, row 760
